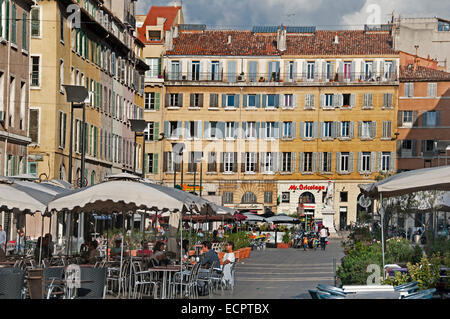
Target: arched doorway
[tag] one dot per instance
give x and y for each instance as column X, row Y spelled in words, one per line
column 306, row 210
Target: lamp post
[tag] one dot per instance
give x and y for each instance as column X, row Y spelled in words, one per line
column 138, row 127
column 177, row 150
column 78, row 96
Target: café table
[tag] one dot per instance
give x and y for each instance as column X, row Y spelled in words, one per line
column 167, row 276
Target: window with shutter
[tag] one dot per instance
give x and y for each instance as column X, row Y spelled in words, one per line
column 34, row 125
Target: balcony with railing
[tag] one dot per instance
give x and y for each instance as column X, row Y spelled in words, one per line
column 279, row 78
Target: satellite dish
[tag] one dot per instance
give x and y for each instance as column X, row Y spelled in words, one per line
column 364, row 201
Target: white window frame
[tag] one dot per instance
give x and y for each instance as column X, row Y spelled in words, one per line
column 286, row 165
column 344, row 162
column 250, row 162
column 229, row 130
column 345, row 128
column 366, row 162
column 287, row 128
column 39, row 57
column 385, row 161
column 309, row 127
column 250, row 128
column 228, row 162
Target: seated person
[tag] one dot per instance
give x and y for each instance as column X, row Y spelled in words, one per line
column 185, row 250
column 159, row 258
column 208, row 256
column 116, row 251
column 93, row 253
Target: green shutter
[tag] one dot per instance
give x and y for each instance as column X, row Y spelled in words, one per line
column 157, row 101
column 95, row 140
column 24, row 31
column 156, row 131
column 1, row 20
column 14, row 166
column 14, row 24
column 7, row 21
column 159, row 66
column 146, row 163
column 155, row 163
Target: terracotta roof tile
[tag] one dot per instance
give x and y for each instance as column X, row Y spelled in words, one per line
column 421, row 73
column 168, row 12
column 246, row 43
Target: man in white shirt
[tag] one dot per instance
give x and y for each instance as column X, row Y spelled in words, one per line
column 323, row 237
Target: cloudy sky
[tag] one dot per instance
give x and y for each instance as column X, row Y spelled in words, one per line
column 325, row 14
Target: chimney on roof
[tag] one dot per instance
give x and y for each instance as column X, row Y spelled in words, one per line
column 416, row 58
column 281, row 39
column 336, row 39
column 229, row 39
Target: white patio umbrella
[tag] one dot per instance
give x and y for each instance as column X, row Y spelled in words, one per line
column 281, row 218
column 116, row 195
column 253, row 218
column 434, row 178
column 23, row 194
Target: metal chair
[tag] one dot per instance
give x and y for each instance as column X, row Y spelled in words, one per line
column 95, row 289
column 330, row 291
column 144, row 281
column 407, row 285
column 421, row 293
column 324, row 287
column 12, row 283
column 190, row 287
column 54, row 288
column 207, row 277
column 117, row 279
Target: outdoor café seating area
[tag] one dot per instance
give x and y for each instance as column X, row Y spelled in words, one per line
column 124, row 276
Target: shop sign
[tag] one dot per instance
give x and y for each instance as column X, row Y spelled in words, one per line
column 303, row 187
column 190, row 188
column 35, row 158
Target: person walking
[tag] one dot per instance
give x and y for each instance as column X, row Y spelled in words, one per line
column 2, row 239
column 323, row 237
column 20, row 241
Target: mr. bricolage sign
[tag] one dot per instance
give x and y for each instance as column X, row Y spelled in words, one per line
column 303, row 187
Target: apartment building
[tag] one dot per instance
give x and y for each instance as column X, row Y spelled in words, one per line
column 423, row 118
column 94, row 47
column 14, row 95
column 274, row 117
column 424, row 37
column 155, row 32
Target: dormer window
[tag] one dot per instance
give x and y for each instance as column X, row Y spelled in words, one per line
column 154, row 35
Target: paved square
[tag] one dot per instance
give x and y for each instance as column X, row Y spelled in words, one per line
column 283, row 273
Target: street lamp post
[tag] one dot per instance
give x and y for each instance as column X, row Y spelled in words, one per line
column 138, row 127
column 177, row 150
column 78, row 96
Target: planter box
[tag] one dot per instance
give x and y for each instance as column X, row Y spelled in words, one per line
column 282, row 245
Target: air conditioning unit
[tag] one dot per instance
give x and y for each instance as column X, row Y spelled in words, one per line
column 184, row 77
column 2, row 116
column 240, row 78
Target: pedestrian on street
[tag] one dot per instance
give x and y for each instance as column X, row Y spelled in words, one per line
column 323, row 237
column 2, row 239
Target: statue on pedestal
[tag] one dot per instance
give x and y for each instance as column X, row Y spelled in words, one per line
column 329, row 197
